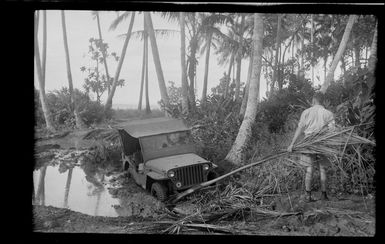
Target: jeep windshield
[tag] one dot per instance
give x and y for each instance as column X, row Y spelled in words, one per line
column 164, row 145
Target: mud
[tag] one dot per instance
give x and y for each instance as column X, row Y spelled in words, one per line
column 98, row 197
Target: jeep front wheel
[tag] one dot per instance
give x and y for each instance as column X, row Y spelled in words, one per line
column 159, row 191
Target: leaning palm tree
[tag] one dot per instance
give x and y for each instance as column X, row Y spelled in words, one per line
column 236, row 152
column 79, row 122
column 239, row 57
column 340, row 51
column 143, row 35
column 108, row 104
column 158, row 67
column 183, row 64
column 246, row 89
column 210, row 33
column 41, row 72
column 104, row 52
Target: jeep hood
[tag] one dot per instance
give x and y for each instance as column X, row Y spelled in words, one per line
column 166, row 163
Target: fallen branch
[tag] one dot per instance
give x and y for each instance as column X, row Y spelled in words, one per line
column 328, row 143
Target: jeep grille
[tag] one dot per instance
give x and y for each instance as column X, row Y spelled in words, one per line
column 189, row 175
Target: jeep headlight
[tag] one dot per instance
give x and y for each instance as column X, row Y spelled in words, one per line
column 171, row 174
column 178, row 184
column 206, row 167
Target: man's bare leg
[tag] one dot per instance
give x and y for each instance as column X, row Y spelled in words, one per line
column 308, row 178
column 323, row 182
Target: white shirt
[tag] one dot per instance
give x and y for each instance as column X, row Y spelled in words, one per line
column 314, row 118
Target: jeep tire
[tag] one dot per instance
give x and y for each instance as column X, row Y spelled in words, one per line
column 212, row 175
column 159, row 191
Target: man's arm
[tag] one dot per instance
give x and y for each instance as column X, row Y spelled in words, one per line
column 298, row 132
column 300, row 129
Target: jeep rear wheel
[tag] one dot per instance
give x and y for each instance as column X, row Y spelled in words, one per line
column 159, row 191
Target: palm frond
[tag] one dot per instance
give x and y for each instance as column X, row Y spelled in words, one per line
column 158, row 33
column 119, row 20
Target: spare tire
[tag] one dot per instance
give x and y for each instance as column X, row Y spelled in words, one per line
column 159, row 191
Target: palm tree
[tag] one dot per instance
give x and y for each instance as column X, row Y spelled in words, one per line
column 236, row 152
column 340, row 51
column 373, row 52
column 239, row 58
column 158, row 67
column 143, row 70
column 44, row 51
column 79, row 122
column 96, row 14
column 246, row 90
column 148, row 109
column 183, row 64
column 108, row 104
column 206, row 74
column 277, row 50
column 41, row 72
column 144, row 78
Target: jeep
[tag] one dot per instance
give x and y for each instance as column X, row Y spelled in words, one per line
column 160, row 156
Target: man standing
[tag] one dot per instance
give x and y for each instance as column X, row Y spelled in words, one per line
column 312, row 121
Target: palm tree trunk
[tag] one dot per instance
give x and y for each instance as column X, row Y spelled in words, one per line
column 239, row 60
column 108, row 104
column 148, row 109
column 40, row 76
column 236, row 153
column 312, row 49
column 142, row 77
column 44, row 51
column 208, row 46
column 192, row 61
column 357, row 57
column 229, row 75
column 301, row 73
column 155, row 55
column 104, row 54
column 343, row 69
column 340, row 51
column 192, row 69
column 79, row 122
column 373, row 52
column 373, row 58
column 183, row 64
column 277, row 47
column 246, row 91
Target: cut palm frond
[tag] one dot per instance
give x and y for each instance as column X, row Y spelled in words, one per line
column 330, row 143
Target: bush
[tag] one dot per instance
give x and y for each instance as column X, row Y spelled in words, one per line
column 58, row 102
column 281, row 110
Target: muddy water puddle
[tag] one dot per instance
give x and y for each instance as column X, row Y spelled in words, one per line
column 85, row 188
column 72, row 190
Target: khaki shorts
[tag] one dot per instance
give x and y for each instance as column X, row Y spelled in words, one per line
column 314, row 160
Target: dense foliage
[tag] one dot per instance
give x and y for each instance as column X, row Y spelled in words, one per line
column 215, row 126
column 91, row 112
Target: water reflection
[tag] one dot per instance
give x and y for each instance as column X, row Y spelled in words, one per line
column 40, row 196
column 67, row 188
column 82, row 187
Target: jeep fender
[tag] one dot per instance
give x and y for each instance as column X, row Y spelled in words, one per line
column 151, row 177
column 155, row 176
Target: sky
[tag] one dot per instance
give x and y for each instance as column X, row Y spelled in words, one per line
column 81, row 27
